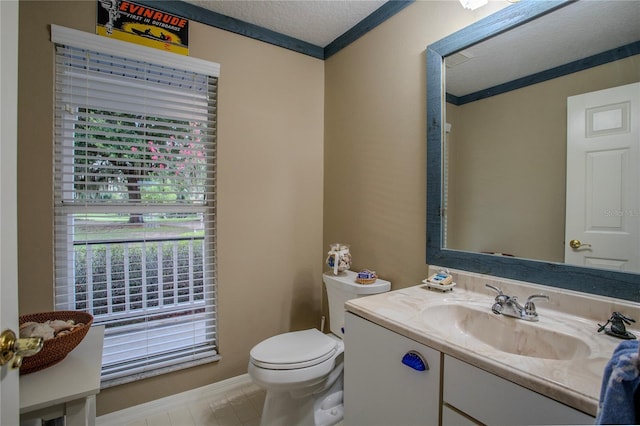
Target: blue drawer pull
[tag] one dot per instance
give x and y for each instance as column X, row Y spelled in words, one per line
column 414, row 360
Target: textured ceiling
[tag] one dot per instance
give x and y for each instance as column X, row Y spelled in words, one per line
column 579, row 30
column 318, row 22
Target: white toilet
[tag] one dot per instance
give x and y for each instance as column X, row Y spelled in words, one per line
column 302, row 370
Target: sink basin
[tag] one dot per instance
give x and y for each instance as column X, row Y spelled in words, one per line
column 460, row 322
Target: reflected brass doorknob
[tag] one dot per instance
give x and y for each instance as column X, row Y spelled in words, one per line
column 576, row 244
column 12, row 348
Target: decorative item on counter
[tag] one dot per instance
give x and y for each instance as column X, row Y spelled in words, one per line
column 339, row 258
column 442, row 281
column 62, row 331
column 617, row 328
column 442, row 278
column 366, row 277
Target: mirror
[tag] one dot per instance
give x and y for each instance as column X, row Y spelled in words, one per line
column 458, row 241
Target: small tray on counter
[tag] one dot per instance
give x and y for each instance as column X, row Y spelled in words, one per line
column 441, row 287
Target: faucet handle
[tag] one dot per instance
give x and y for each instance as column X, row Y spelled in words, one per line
column 537, row 296
column 501, row 299
column 530, row 307
column 500, row 293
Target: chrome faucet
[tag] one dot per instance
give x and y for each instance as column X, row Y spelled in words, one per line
column 509, row 306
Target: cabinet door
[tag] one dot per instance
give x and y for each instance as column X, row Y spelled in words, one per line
column 493, row 400
column 451, row 417
column 378, row 388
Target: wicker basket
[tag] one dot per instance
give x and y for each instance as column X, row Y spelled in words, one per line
column 56, row 349
column 366, row 280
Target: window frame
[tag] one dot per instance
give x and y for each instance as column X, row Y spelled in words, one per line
column 77, row 39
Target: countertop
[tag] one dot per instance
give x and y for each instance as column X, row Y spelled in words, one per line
column 574, row 382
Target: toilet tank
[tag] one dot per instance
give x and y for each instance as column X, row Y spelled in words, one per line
column 343, row 287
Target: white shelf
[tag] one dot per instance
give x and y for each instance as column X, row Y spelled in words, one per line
column 72, row 383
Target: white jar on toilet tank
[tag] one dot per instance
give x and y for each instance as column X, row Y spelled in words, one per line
column 339, row 258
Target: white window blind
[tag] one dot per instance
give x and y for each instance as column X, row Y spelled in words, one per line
column 134, row 195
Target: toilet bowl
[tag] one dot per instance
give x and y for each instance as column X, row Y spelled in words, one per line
column 302, row 371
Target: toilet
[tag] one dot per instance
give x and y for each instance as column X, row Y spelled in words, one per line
column 302, row 371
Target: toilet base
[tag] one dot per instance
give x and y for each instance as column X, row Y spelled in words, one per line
column 329, row 410
column 323, row 408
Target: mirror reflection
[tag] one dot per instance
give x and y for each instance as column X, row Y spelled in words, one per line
column 541, row 146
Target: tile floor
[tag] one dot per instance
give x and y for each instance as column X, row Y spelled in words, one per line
column 240, row 406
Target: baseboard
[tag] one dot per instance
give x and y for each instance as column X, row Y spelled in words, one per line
column 130, row 414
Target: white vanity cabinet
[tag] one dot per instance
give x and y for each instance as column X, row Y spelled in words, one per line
column 378, row 388
column 490, row 399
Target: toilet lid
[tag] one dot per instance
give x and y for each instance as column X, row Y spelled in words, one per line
column 296, row 349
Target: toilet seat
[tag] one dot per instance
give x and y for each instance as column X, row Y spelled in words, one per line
column 294, row 350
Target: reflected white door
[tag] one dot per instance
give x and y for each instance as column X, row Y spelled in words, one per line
column 603, row 179
column 9, row 392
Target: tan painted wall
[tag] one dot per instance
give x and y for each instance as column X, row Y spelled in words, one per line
column 274, row 228
column 270, row 199
column 375, row 140
column 508, row 163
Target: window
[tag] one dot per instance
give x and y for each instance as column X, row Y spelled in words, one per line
column 134, row 200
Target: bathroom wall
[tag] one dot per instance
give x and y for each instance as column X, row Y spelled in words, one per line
column 309, row 153
column 270, row 197
column 375, row 139
column 522, row 135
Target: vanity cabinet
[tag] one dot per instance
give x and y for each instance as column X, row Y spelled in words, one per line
column 378, row 388
column 489, row 399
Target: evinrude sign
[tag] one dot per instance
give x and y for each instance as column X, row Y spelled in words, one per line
column 135, row 23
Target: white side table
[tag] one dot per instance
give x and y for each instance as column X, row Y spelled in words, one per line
column 68, row 388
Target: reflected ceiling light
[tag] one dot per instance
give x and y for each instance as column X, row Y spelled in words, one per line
column 473, row 4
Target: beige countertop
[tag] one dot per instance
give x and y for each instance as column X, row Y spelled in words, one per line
column 415, row 312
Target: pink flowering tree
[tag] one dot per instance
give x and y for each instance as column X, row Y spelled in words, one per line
column 138, row 157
